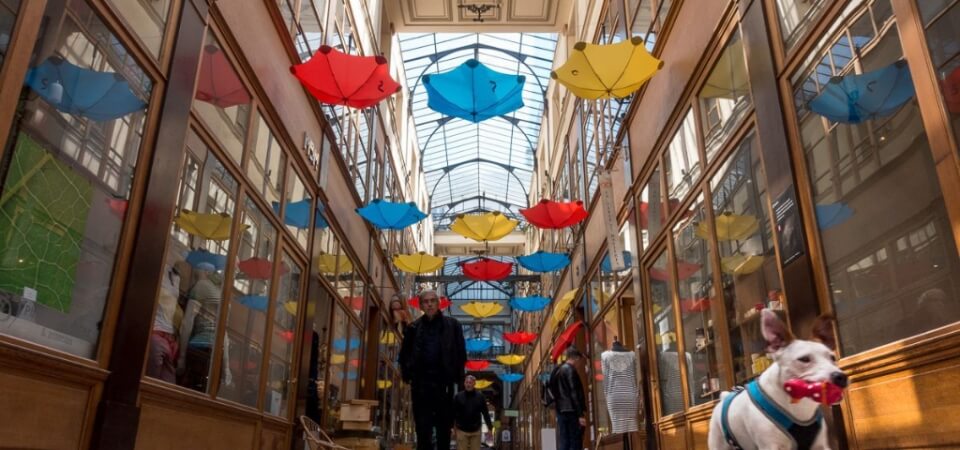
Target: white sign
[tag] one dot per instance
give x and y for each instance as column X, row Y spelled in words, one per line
column 505, row 436
column 609, row 211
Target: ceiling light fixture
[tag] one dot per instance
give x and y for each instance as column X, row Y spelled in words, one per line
column 479, row 8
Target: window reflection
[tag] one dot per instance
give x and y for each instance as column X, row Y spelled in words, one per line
column 338, row 363
column 682, row 163
column 266, row 163
column 725, row 96
column 145, row 18
column 665, row 337
column 282, row 342
column 796, row 16
column 653, row 213
column 604, row 333
column 8, row 18
column 942, row 19
column 221, row 99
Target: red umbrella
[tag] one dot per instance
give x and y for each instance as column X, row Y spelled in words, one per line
column 485, row 269
column 644, row 207
column 566, row 338
column 477, row 364
column 259, row 268
column 694, row 304
column 415, row 302
column 355, row 302
column 118, row 206
column 354, row 363
column 951, row 91
column 337, row 78
column 520, row 337
column 287, row 336
column 219, row 84
column 551, row 214
column 684, row 270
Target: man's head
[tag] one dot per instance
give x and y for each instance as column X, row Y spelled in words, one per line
column 469, row 383
column 429, row 303
column 573, row 356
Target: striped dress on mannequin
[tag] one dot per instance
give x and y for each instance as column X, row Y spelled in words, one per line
column 620, row 389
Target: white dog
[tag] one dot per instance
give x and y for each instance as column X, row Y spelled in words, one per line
column 763, row 415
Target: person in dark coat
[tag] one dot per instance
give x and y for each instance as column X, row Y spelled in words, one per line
column 569, row 401
column 469, row 406
column 432, row 358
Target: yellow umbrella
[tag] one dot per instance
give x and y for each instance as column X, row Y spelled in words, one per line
column 483, row 384
column 388, row 338
column 291, row 307
column 510, row 360
column 338, row 358
column 329, row 264
column 489, row 226
column 212, row 226
column 739, row 264
column 418, row 262
column 481, row 310
column 729, row 76
column 384, row 384
column 730, row 227
column 604, row 71
column 563, row 305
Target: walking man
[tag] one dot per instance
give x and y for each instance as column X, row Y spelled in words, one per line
column 468, row 407
column 432, row 358
column 569, row 401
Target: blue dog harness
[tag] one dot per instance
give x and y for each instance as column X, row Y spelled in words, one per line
column 802, row 433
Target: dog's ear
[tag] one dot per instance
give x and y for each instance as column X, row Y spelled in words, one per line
column 822, row 331
column 775, row 332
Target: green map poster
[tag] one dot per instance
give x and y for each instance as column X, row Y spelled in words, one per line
column 43, row 214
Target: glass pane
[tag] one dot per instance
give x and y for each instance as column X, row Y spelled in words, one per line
column 353, row 363
column 653, row 213
column 338, row 363
column 279, row 370
column 311, row 36
column 604, row 333
column 682, row 164
column 696, row 290
column 942, row 25
column 891, row 270
column 8, row 18
column 266, row 163
column 747, row 256
column 319, row 358
column 297, row 216
column 67, row 178
column 286, row 11
column 222, row 100
column 796, row 16
column 247, row 313
column 665, row 336
column 725, row 97
column 146, row 19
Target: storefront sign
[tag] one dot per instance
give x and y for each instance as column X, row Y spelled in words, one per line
column 609, row 211
column 310, row 149
column 789, row 227
column 511, row 413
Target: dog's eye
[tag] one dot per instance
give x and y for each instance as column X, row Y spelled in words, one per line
column 833, row 357
column 804, row 359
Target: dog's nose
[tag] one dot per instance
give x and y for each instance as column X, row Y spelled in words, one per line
column 839, row 379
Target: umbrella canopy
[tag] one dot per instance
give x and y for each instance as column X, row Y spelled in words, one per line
column 730, row 227
column 419, row 262
column 510, row 360
column 336, row 78
column 474, row 92
column 832, row 214
column 485, row 269
column 684, row 270
column 729, row 76
column 563, row 304
column 489, row 226
column 298, row 214
column 607, row 267
column 388, row 338
column 255, row 302
column 476, row 345
column 542, row 261
column 951, row 90
column 477, row 364
column 387, row 215
column 355, row 302
column 384, row 384
column 83, row 92
column 740, row 264
column 327, row 263
column 286, row 335
column 520, row 337
column 290, row 307
column 605, row 71
column 259, row 268
column 482, row 310
column 699, row 304
column 510, row 377
column 565, row 339
column 343, row 345
column 872, row 95
column 533, row 303
column 218, row 83
column 211, row 226
column 555, row 215
column 415, row 302
column 337, row 359
column 483, row 384
column 196, row 257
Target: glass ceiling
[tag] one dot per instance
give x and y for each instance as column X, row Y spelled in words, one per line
column 487, row 166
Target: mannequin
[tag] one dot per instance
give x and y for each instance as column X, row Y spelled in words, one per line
column 620, row 387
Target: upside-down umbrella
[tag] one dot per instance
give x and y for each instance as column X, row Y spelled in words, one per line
column 419, row 262
column 563, row 304
column 254, row 302
column 290, row 307
column 684, row 270
column 510, row 360
column 477, row 345
column 336, row 78
column 867, row 96
column 337, row 359
column 415, row 302
column 730, row 227
column 211, row 226
column 951, row 90
column 604, row 71
column 555, row 215
column 532, row 303
column 740, row 264
column 485, row 269
column 832, row 214
column 477, row 364
column 384, row 384
column 118, row 206
column 351, row 374
column 520, row 337
column 565, row 339
column 699, row 304
column 489, row 226
column 388, row 338
column 606, row 266
column 355, row 302
column 483, row 384
column 257, row 268
column 202, row 255
column 84, row 92
column 482, row 310
column 542, row 261
column 474, row 92
column 387, row 215
column 343, row 345
column 218, row 83
column 728, row 79
column 297, row 214
column 328, row 263
column 510, row 377
column 287, row 336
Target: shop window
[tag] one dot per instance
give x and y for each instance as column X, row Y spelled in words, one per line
column 642, row 20
column 339, row 348
column 796, row 18
column 725, row 96
column 354, row 363
column 682, row 166
column 147, row 19
column 665, row 337
column 67, row 179
column 942, row 19
column 8, row 18
column 604, row 333
column 310, row 36
column 283, row 339
column 653, row 213
column 319, row 354
column 880, row 212
column 222, row 100
column 266, row 163
column 296, row 222
column 287, row 12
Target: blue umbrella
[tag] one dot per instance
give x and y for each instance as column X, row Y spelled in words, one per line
column 875, row 94
column 256, row 302
column 196, row 257
column 340, row 344
column 542, row 261
column 478, row 345
column 298, row 214
column 351, row 376
column 832, row 214
column 83, row 92
column 529, row 304
column 510, row 377
column 606, row 266
column 387, row 215
column 474, row 92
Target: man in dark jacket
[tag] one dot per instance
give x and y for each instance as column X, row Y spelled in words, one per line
column 468, row 407
column 569, row 401
column 432, row 359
